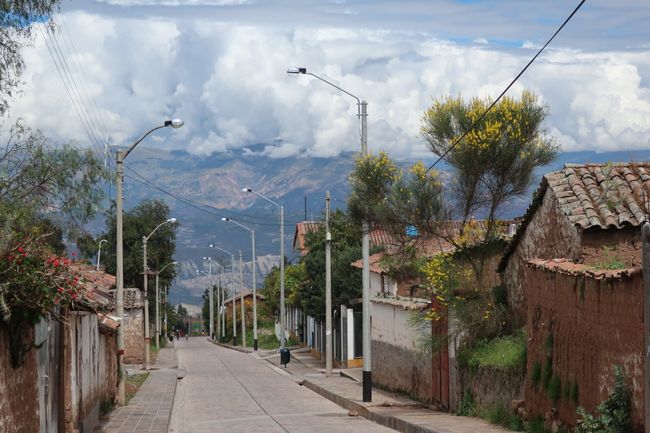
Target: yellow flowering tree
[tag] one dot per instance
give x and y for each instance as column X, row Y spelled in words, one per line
column 497, row 159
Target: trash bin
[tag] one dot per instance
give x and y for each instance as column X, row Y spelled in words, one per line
column 285, row 356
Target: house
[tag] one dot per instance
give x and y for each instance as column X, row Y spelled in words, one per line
column 573, row 276
column 576, row 212
column 72, row 370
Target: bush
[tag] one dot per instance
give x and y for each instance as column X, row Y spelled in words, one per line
column 614, row 413
column 506, row 353
column 466, row 406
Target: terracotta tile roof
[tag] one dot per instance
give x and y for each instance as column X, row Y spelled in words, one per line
column 378, row 237
column 568, row 267
column 302, row 228
column 96, row 285
column 602, row 195
column 374, row 261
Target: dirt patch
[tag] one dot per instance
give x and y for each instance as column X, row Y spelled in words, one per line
column 616, row 256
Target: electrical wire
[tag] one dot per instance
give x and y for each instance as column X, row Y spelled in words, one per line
column 457, row 141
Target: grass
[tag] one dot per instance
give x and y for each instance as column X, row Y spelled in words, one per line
column 133, row 383
column 508, row 352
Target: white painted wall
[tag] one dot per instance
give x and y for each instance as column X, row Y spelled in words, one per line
column 390, row 324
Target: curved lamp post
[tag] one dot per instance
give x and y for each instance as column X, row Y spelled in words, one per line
column 145, row 273
column 282, row 312
column 362, row 113
column 254, row 261
column 99, row 252
column 211, row 297
column 158, row 305
column 119, row 286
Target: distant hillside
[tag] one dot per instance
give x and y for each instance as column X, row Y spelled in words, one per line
column 298, row 183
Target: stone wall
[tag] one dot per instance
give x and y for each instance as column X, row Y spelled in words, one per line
column 396, row 363
column 582, row 323
column 18, row 389
column 491, row 387
column 402, row 370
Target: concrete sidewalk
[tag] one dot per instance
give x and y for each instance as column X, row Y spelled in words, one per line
column 388, row 409
column 150, row 409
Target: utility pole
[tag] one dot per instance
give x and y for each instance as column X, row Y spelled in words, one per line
column 218, row 306
column 365, row 247
column 145, row 273
column 283, row 314
column 241, row 297
column 254, row 293
column 119, row 279
column 165, row 292
column 157, row 314
column 645, row 239
column 328, row 288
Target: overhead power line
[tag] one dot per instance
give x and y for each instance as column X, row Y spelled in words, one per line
column 457, row 141
column 205, row 208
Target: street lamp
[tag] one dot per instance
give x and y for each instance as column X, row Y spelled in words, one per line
column 234, row 310
column 211, row 298
column 282, row 312
column 145, row 273
column 158, row 305
column 362, row 113
column 119, row 283
column 252, row 232
column 99, row 252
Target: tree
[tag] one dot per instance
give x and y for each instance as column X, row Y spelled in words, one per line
column 346, row 280
column 16, row 19
column 496, row 160
column 139, row 222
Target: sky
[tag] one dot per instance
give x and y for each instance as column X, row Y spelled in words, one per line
column 220, row 65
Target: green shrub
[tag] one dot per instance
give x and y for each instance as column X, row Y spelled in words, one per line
column 466, row 406
column 536, row 425
column 614, row 413
column 536, row 374
column 506, row 353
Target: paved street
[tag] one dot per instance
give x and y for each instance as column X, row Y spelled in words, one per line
column 228, row 391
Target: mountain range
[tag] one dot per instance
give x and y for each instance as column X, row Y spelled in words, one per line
column 201, row 190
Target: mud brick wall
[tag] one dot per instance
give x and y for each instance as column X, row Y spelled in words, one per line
column 18, row 390
column 585, row 324
column 134, row 336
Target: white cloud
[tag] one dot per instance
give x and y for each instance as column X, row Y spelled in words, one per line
column 227, row 80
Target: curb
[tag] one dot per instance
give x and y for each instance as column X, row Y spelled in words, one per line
column 228, row 346
column 389, row 421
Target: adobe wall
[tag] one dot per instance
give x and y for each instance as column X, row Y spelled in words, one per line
column 133, row 336
column 18, row 389
column 549, row 234
column 595, row 322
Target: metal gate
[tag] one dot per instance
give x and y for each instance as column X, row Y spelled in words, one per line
column 46, row 336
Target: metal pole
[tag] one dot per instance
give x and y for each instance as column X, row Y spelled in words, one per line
column 328, row 289
column 223, row 307
column 211, row 300
column 99, row 252
column 165, row 315
column 157, row 314
column 365, row 246
column 254, row 294
column 645, row 238
column 282, row 312
column 146, row 306
column 218, row 305
column 234, row 309
column 119, row 283
column 241, row 297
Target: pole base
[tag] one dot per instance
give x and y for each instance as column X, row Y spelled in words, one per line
column 255, row 345
column 367, row 386
column 234, row 341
